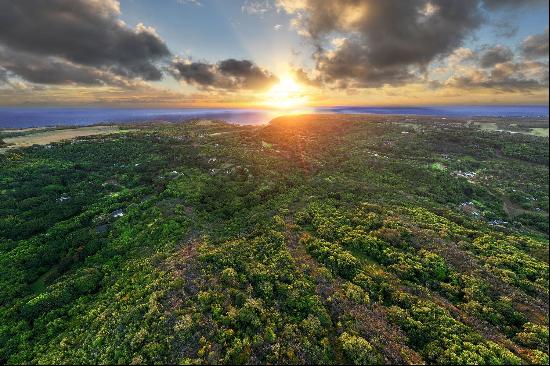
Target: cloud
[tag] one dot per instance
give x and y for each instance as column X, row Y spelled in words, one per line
column 495, row 55
column 505, row 84
column 459, row 55
column 395, row 32
column 390, row 42
column 302, row 77
column 536, row 45
column 349, row 65
column 505, row 76
column 228, row 74
column 386, row 41
column 78, row 95
column 277, row 27
column 192, row 2
column 3, row 76
column 505, row 28
column 496, row 68
column 256, row 7
column 87, row 38
column 52, row 70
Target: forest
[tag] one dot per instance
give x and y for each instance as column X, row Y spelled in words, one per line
column 314, row 239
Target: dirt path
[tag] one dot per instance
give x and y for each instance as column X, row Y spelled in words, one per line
column 512, row 209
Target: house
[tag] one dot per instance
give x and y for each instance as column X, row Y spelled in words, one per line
column 117, row 213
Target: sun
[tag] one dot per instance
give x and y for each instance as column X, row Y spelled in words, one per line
column 286, row 94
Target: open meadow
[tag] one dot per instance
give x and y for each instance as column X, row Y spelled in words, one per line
column 13, row 138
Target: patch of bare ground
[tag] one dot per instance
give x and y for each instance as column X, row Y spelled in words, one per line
column 185, row 266
column 370, row 320
column 512, row 209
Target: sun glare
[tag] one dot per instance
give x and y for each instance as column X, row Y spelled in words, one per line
column 286, row 94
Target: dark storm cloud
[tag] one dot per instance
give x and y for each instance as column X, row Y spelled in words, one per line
column 49, row 70
column 86, row 36
column 536, row 45
column 249, row 75
column 350, row 66
column 391, row 41
column 228, row 74
column 194, row 72
column 495, row 55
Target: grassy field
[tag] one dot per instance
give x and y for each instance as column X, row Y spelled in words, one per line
column 44, row 137
column 512, row 128
column 543, row 132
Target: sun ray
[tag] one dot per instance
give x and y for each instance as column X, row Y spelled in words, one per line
column 287, row 94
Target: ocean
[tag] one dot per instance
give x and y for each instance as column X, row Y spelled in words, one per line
column 17, row 117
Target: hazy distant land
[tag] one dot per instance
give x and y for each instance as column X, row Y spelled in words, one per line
column 23, row 117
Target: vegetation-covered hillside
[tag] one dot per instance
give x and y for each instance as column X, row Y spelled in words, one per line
column 315, row 239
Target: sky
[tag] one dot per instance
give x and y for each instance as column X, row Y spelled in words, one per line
column 272, row 53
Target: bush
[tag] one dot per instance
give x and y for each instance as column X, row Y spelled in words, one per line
column 359, row 350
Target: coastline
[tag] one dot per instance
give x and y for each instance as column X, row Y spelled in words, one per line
column 15, row 117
